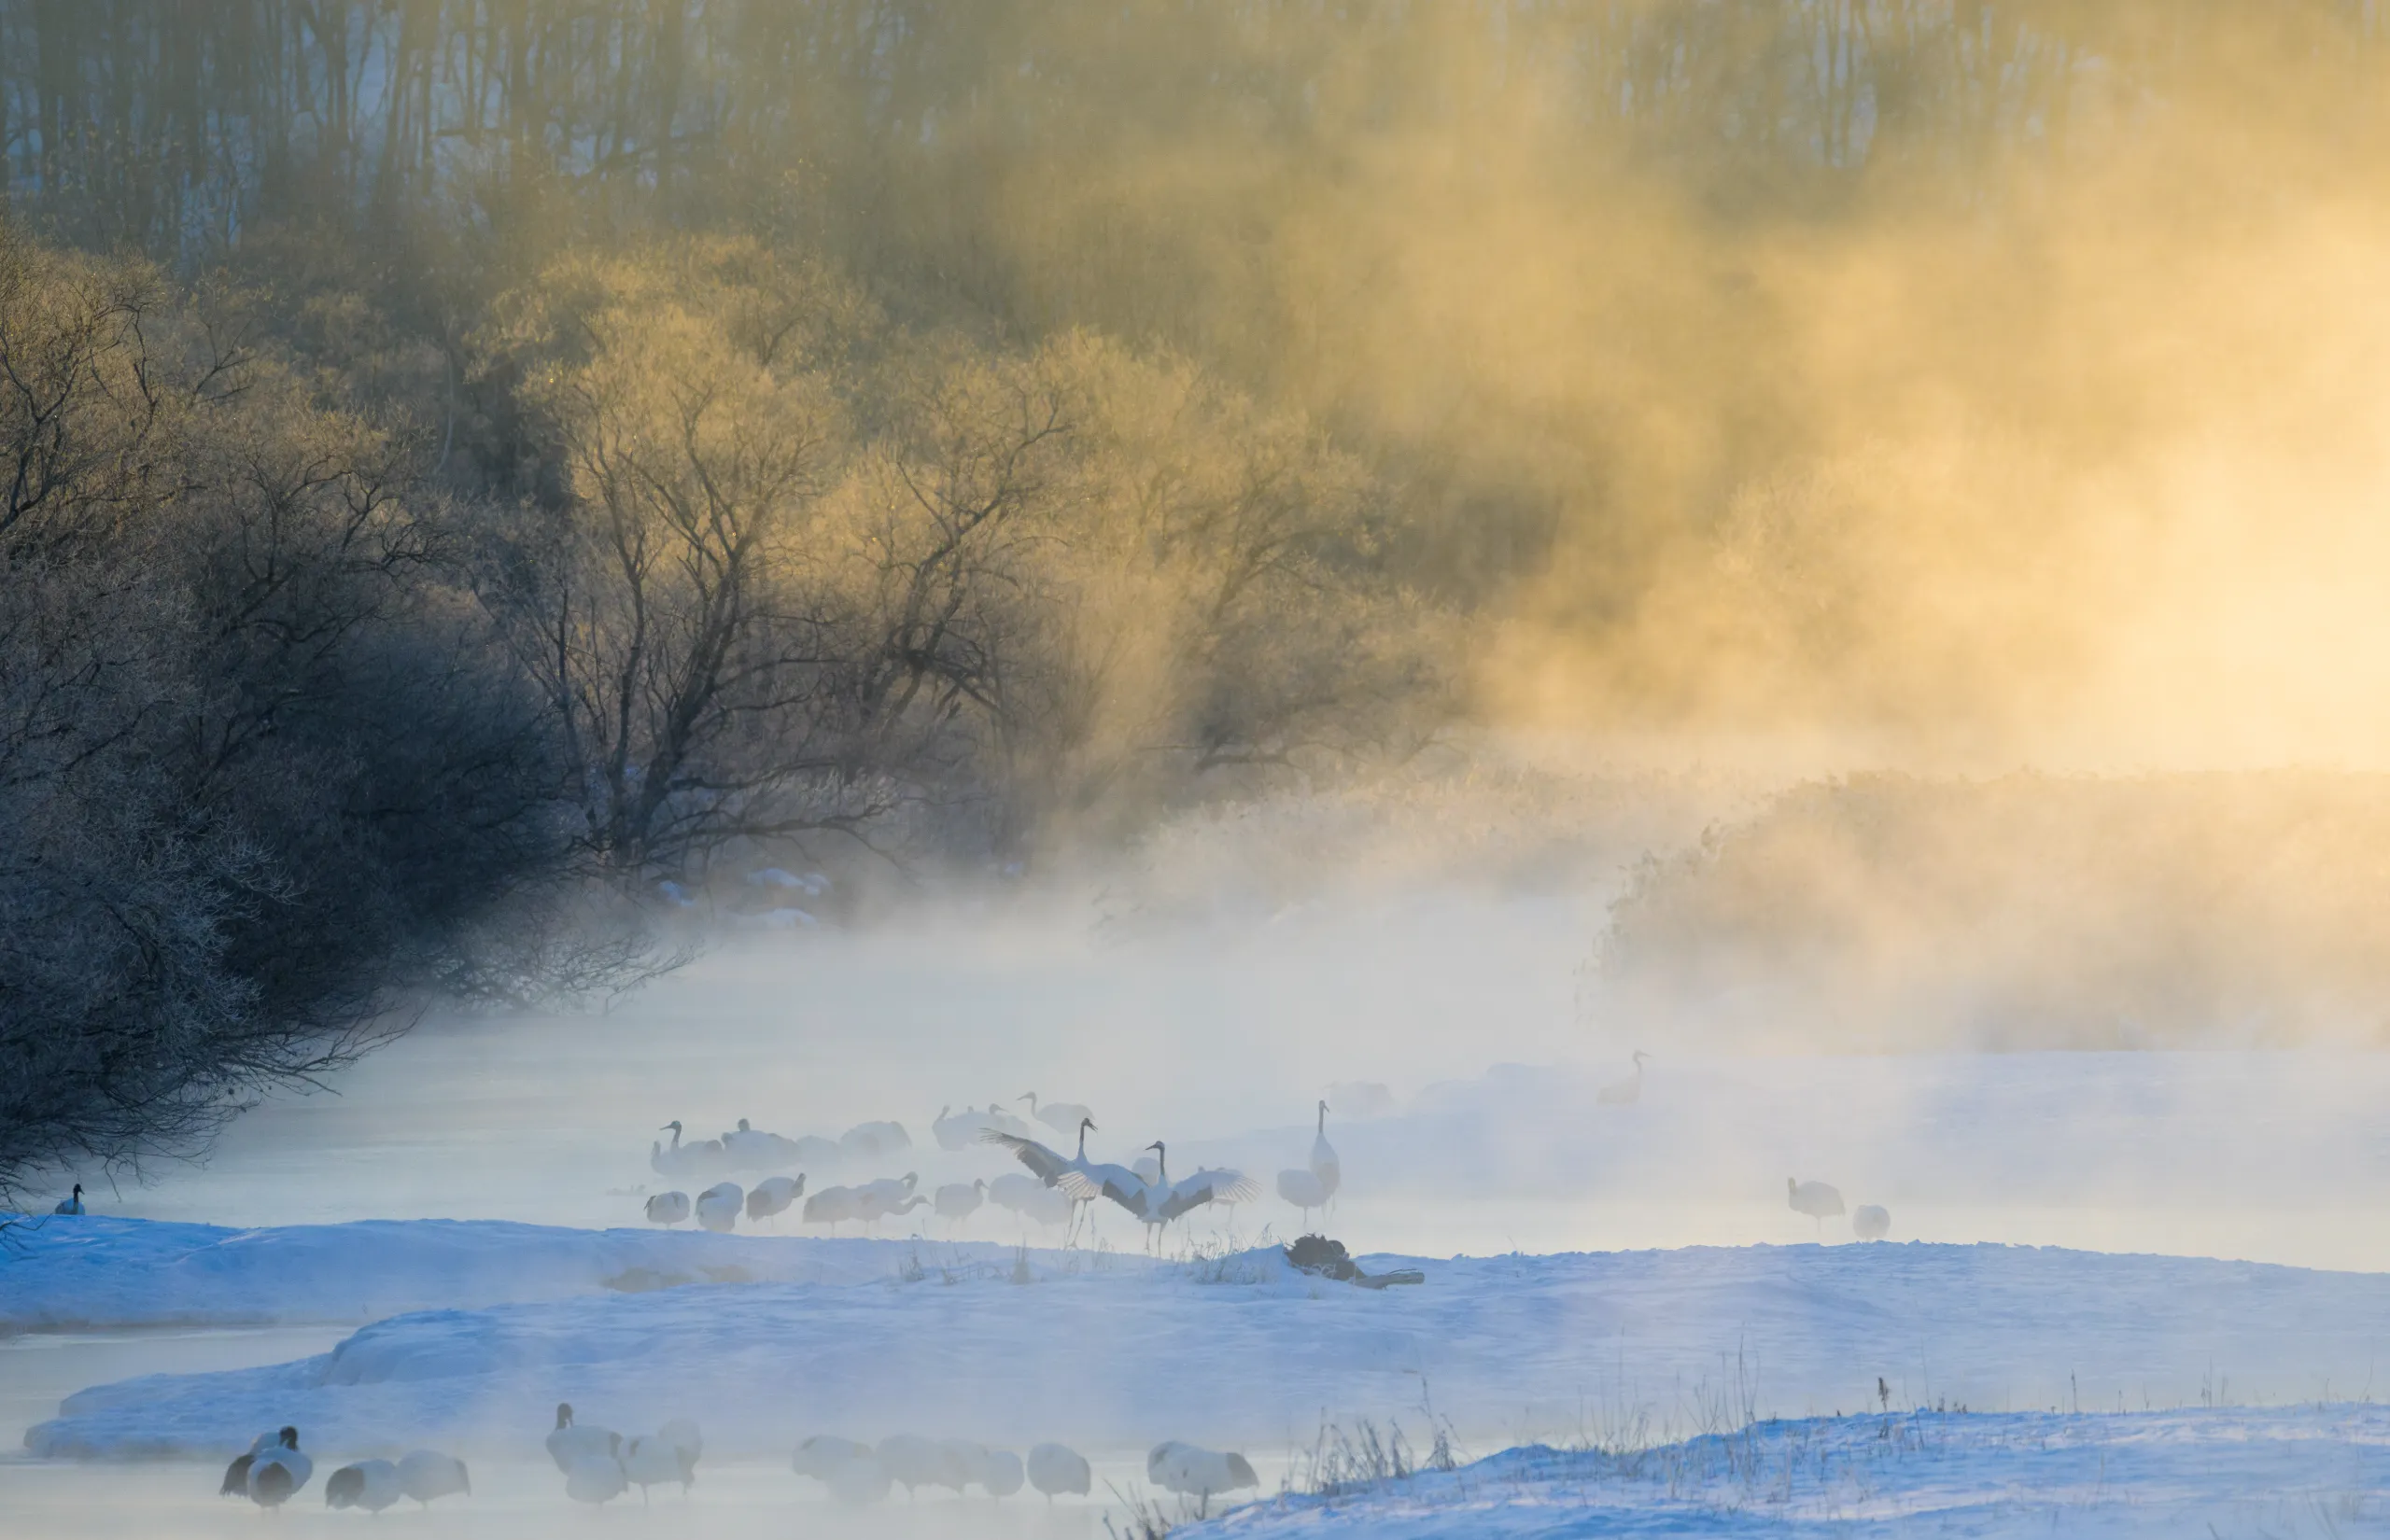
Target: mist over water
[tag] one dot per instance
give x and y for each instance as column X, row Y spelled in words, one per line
column 1218, row 1035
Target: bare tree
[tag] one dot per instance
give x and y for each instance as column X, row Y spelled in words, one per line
column 679, row 607
column 266, row 782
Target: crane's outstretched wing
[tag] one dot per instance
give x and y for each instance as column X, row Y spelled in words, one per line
column 1208, row 1186
column 1049, row 1167
column 1045, row 1165
column 1118, row 1183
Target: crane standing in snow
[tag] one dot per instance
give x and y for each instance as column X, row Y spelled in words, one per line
column 718, row 1207
column 71, row 1205
column 1626, row 1092
column 1049, row 1167
column 770, row 1198
column 1060, row 1116
column 833, row 1206
column 702, row 1158
column 1057, row 1468
column 1818, row 1200
column 279, row 1472
column 1196, row 1472
column 1311, row 1187
column 1324, row 1164
column 669, row 1454
column 1161, row 1201
column 369, row 1484
column 851, row 1471
column 572, row 1441
column 426, row 1475
column 958, row 1201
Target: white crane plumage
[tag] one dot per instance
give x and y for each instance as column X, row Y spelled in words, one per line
column 236, row 1475
column 1624, row 1092
column 1298, row 1187
column 748, row 1149
column 1156, row 1202
column 369, row 1484
column 1871, row 1221
column 72, row 1203
column 874, row 1208
column 959, row 1200
column 833, row 1206
column 914, row 1462
column 811, row 1151
column 771, row 1197
column 1197, row 1472
column 719, row 1205
column 700, row 1158
column 1060, row 1116
column 279, row 1472
column 956, row 1132
column 889, row 1191
column 851, row 1471
column 652, row 1458
column 871, row 1141
column 1004, row 1121
column 1031, row 1199
column 1000, row 1473
column 1057, row 1468
column 976, row 1464
column 595, row 1478
column 427, row 1475
column 1818, row 1200
column 668, row 1208
column 1324, row 1164
column 571, row 1441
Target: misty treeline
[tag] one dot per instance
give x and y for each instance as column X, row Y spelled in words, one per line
column 305, row 723
column 481, row 469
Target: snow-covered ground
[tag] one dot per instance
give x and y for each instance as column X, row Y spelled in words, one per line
column 2320, row 1471
column 1240, row 1351
column 98, row 1273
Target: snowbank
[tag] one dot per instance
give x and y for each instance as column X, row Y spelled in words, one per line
column 1110, row 1352
column 99, row 1273
column 2294, row 1471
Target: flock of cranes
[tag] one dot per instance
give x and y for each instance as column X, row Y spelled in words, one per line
column 1059, row 1189
column 864, row 1473
column 275, row 1468
column 599, row 1464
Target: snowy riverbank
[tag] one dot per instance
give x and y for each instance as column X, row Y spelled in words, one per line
column 2320, row 1471
column 867, row 1338
column 98, row 1273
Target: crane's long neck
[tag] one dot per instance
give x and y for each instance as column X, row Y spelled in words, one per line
column 1161, row 1167
column 1082, row 1142
column 1322, row 1129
